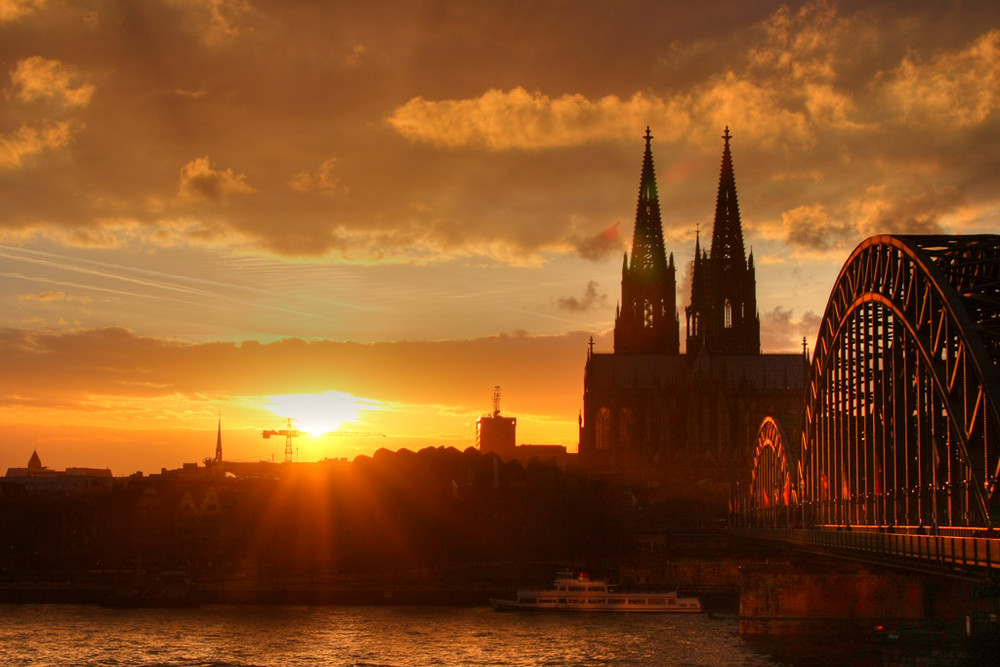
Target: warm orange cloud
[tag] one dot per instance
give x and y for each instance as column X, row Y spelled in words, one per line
column 959, row 88
column 11, row 10
column 17, row 148
column 200, row 181
column 517, row 119
column 38, row 78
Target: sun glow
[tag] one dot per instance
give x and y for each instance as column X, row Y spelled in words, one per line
column 317, row 414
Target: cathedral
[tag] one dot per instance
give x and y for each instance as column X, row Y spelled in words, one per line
column 680, row 422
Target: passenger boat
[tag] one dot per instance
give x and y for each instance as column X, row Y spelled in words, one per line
column 580, row 593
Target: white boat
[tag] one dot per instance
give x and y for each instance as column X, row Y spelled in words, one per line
column 580, row 593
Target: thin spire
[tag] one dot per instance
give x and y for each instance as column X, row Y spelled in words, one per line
column 727, row 232
column 648, row 253
column 218, row 442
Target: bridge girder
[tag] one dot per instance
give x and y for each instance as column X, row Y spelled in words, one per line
column 902, row 414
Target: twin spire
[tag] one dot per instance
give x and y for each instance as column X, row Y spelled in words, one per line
column 722, row 317
column 646, row 321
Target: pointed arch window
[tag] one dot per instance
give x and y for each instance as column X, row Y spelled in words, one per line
column 648, row 314
column 625, row 427
column 602, row 436
column 727, row 314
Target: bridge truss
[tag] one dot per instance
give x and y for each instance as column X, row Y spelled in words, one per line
column 901, row 427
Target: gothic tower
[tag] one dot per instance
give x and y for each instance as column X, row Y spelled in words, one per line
column 646, row 321
column 722, row 317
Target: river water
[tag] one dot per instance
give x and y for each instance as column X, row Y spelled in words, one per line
column 262, row 636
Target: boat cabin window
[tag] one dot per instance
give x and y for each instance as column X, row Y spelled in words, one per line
column 637, row 602
column 671, row 601
column 529, row 600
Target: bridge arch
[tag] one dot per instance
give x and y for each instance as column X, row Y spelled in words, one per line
column 901, row 423
column 772, row 489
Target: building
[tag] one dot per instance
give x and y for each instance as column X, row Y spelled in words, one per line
column 496, row 434
column 36, row 477
column 681, row 422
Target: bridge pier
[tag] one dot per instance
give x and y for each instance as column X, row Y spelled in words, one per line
column 774, row 601
column 880, row 612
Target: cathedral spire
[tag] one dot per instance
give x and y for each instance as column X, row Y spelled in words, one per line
column 722, row 317
column 648, row 253
column 727, row 232
column 647, row 321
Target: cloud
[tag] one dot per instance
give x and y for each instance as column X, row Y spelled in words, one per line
column 86, row 368
column 38, row 78
column 11, row 10
column 484, row 154
column 918, row 213
column 52, row 296
column 607, row 243
column 591, row 300
column 957, row 89
column 220, row 19
column 28, row 142
column 781, row 333
column 517, row 119
column 359, row 53
column 761, row 113
column 200, row 181
column 811, row 227
column 322, row 181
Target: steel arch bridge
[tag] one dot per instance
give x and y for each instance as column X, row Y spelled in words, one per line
column 901, row 423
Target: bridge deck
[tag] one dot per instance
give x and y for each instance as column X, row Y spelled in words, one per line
column 950, row 550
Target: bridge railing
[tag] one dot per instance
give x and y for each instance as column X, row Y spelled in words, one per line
column 950, row 550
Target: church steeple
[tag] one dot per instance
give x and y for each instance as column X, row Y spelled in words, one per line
column 646, row 322
column 218, row 443
column 722, row 317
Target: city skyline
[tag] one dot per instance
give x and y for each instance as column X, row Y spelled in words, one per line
column 376, row 217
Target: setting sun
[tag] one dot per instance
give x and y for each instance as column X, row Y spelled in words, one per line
column 317, row 414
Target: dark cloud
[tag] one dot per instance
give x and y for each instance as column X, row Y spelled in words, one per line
column 812, row 228
column 779, row 332
column 591, row 299
column 605, row 244
column 75, row 369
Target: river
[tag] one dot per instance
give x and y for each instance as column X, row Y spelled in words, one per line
column 264, row 636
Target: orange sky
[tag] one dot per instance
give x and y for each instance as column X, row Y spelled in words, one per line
column 208, row 205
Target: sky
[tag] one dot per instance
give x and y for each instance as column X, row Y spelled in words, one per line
column 365, row 216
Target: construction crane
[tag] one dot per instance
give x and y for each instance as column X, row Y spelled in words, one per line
column 289, row 433
column 292, row 432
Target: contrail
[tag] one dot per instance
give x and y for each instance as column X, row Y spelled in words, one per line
column 148, row 278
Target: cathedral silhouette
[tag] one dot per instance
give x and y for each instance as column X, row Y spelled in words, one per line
column 679, row 423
